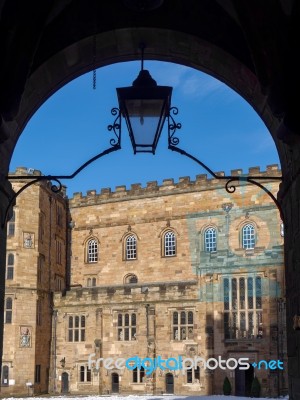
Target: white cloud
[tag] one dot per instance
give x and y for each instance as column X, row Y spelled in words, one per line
column 190, row 82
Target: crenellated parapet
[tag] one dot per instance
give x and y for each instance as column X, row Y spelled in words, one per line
column 185, row 184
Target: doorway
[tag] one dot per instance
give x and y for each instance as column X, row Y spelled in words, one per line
column 65, row 382
column 169, row 384
column 114, row 383
column 243, row 381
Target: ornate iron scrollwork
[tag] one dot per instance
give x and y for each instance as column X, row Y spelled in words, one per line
column 173, row 141
column 115, row 143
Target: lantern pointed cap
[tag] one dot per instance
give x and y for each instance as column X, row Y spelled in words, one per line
column 144, row 79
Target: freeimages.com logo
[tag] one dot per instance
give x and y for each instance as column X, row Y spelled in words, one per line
column 179, row 364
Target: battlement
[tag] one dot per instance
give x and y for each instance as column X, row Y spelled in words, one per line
column 152, row 188
column 24, row 171
column 34, row 173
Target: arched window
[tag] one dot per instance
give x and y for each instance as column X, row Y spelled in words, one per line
column 131, row 278
column 10, row 266
column 210, row 240
column 92, row 251
column 138, row 375
column 169, row 244
column 11, row 225
column 8, row 310
column 5, row 375
column 130, row 247
column 248, row 237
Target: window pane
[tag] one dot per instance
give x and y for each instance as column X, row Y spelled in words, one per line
column 234, row 293
column 242, row 293
column 189, row 376
column 183, row 333
column 9, row 303
column 82, row 321
column 126, row 334
column 81, row 374
column 88, row 375
column 182, row 318
column 10, row 273
column 258, row 292
column 250, row 325
column 175, row 334
column 250, row 293
column 119, row 319
column 175, row 318
column 70, row 322
column 190, row 318
column 133, row 319
column 131, row 247
column 126, row 319
column 170, row 244
column 142, row 374
column 226, row 294
column 248, row 237
column 132, row 279
column 76, row 322
column 92, row 251
column 133, row 333
column 120, row 334
column 210, row 240
column 10, row 259
column 8, row 317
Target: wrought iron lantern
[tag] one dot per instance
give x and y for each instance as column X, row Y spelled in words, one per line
column 145, row 106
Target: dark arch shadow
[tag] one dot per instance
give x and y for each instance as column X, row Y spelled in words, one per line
column 164, row 45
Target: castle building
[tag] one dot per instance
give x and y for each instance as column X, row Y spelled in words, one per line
column 182, row 273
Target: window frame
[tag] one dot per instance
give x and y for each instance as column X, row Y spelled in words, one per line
column 92, row 250
column 182, row 330
column 8, row 311
column 248, row 239
column 76, row 331
column 130, row 249
column 211, row 240
column 128, row 279
column 169, row 246
column 11, row 225
column 193, row 375
column 138, row 375
column 10, row 266
column 5, row 375
column 242, row 307
column 126, row 331
column 85, row 374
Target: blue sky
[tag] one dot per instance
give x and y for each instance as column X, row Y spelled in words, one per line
column 218, row 127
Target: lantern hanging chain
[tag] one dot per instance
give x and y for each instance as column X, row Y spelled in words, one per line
column 94, row 63
column 142, row 48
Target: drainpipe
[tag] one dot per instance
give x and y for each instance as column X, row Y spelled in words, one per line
column 54, row 349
